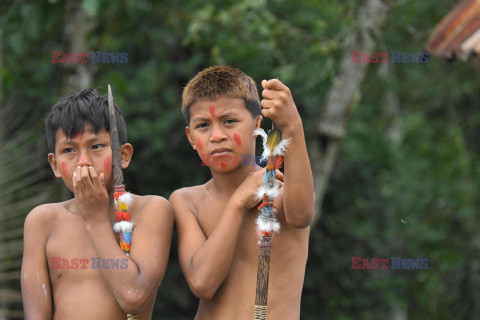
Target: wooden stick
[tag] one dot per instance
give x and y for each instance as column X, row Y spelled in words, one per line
column 263, row 273
column 116, row 159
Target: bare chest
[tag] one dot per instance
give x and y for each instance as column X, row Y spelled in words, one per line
column 70, row 253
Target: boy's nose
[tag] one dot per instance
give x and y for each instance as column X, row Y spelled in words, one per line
column 218, row 134
column 84, row 160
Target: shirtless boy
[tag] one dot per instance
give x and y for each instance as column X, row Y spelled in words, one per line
column 215, row 222
column 73, row 267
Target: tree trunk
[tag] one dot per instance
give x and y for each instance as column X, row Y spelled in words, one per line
column 330, row 129
column 1, row 67
column 75, row 76
column 78, row 25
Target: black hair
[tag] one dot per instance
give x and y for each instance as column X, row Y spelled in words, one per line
column 77, row 109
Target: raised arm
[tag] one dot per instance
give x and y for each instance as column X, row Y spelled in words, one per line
column 298, row 195
column 136, row 285
column 35, row 281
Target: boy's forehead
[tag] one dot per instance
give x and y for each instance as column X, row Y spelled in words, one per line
column 87, row 133
column 218, row 106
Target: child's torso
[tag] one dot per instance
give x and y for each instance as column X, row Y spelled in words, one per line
column 78, row 288
column 235, row 299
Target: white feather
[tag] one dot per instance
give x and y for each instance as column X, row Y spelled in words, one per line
column 265, row 154
column 273, row 192
column 281, row 147
column 124, row 226
column 126, row 198
column 260, row 192
column 267, row 225
column 262, row 134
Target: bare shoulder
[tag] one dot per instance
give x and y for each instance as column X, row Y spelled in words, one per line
column 41, row 219
column 188, row 192
column 151, row 207
column 187, row 198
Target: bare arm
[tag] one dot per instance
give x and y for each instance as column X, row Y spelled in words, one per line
column 136, row 285
column 35, row 281
column 298, row 195
column 205, row 262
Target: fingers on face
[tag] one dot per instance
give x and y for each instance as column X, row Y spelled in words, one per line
column 87, row 178
column 85, row 175
column 95, row 178
column 78, row 185
column 75, row 182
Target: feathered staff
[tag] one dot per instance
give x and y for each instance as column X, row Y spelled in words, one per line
column 273, row 149
column 123, row 227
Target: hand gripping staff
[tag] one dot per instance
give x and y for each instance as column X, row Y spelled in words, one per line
column 123, row 227
column 273, row 149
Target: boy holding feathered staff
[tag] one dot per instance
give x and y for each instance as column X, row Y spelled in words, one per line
column 73, row 266
column 216, row 221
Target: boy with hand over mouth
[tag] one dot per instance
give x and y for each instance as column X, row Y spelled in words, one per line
column 73, row 266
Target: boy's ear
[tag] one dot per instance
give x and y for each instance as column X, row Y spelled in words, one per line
column 258, row 121
column 53, row 163
column 189, row 136
column 126, row 152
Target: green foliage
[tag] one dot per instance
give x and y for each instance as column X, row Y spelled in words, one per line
column 412, row 193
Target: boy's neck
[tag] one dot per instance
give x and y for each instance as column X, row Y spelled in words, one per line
column 225, row 183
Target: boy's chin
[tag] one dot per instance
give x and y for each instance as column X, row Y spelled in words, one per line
column 225, row 168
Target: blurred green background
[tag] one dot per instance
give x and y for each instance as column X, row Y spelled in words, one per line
column 394, row 147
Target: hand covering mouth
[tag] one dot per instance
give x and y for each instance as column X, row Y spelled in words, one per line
column 220, row 150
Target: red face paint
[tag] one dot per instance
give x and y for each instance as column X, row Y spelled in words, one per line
column 106, row 164
column 82, row 159
column 223, row 165
column 212, row 111
column 199, row 144
column 64, row 168
column 237, row 139
column 78, row 136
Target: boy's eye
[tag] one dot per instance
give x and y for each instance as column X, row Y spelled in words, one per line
column 200, row 125
column 230, row 121
column 67, row 150
column 98, row 146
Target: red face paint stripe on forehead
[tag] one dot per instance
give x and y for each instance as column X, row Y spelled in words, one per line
column 237, row 139
column 78, row 136
column 212, row 111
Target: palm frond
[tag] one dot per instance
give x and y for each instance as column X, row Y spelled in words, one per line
column 24, row 184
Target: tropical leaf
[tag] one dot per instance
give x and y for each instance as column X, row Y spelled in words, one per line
column 24, row 184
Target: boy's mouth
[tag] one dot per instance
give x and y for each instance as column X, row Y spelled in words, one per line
column 220, row 151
